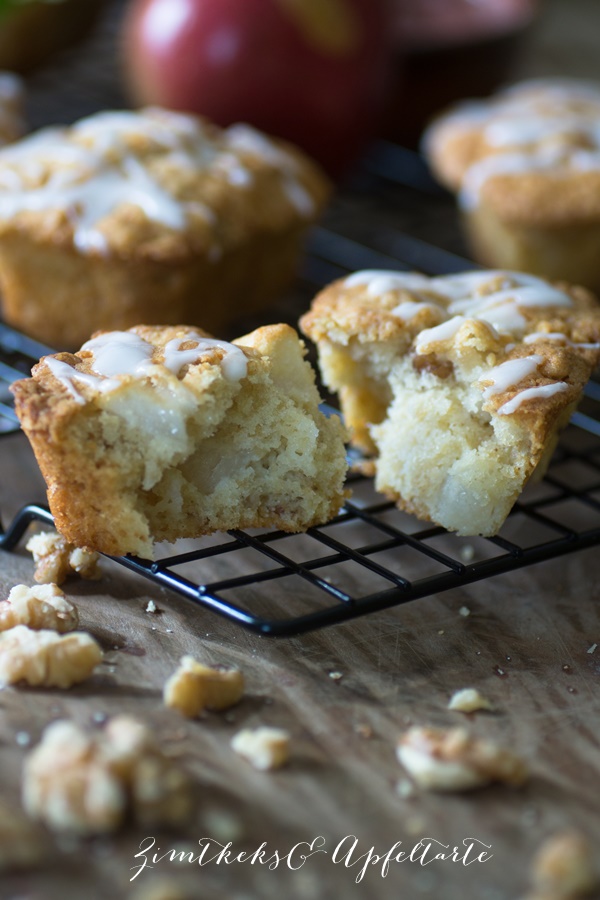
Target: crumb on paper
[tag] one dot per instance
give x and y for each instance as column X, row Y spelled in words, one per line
column 194, row 687
column 55, row 559
column 592, row 649
column 264, row 747
column 364, row 730
column 450, row 759
column 38, row 607
column 166, row 889
column 564, row 867
column 464, row 611
column 405, row 788
column 222, row 825
column 468, row 700
column 22, row 843
column 45, row 658
column 88, row 782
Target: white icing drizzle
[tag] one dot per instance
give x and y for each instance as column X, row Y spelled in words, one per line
column 532, row 126
column 544, row 390
column 380, row 281
column 91, row 169
column 234, row 362
column 441, row 332
column 244, row 138
column 410, row 308
column 559, row 337
column 509, row 374
column 118, row 353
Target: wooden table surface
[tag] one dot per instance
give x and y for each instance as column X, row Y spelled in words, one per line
column 525, row 645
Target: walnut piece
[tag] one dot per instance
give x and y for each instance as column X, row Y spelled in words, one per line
column 194, row 687
column 55, row 559
column 449, row 759
column 564, row 867
column 45, row 658
column 42, row 606
column 468, row 700
column 87, row 782
column 22, row 843
column 263, row 747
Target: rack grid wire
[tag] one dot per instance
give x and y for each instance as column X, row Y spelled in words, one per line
column 371, row 556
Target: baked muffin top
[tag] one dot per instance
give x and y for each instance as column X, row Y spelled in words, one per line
column 154, row 184
column 531, row 152
column 524, row 343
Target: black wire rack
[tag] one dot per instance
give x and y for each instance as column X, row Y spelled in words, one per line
column 371, row 556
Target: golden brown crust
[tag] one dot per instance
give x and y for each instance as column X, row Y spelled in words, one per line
column 149, row 216
column 459, row 385
column 530, row 153
column 182, row 450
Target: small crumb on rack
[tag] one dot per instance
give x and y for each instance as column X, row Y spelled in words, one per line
column 450, row 759
column 564, row 867
column 464, row 611
column 38, row 607
column 87, row 782
column 194, row 687
column 467, row 553
column 468, row 700
column 55, row 559
column 45, row 658
column 264, row 747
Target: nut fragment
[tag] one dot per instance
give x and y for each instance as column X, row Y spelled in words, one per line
column 194, row 687
column 468, row 700
column 55, row 559
column 87, row 782
column 45, row 658
column 22, row 843
column 263, row 747
column 42, row 606
column 564, row 867
column 449, row 759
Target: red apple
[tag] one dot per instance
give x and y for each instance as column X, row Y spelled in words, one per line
column 310, row 71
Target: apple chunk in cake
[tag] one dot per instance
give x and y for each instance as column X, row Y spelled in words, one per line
column 459, row 385
column 158, row 433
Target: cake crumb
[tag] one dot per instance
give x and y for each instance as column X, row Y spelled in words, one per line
column 467, row 553
column 86, row 782
column 151, row 607
column 38, row 607
column 264, row 747
column 336, row 676
column 450, row 759
column 564, row 867
column 468, row 700
column 592, row 649
column 55, row 559
column 464, row 611
column 45, row 658
column 194, row 687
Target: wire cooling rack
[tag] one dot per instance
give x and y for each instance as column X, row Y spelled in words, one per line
column 371, row 556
